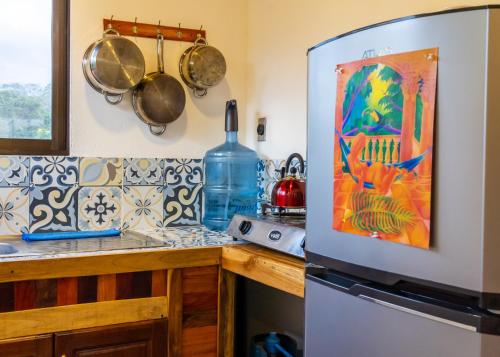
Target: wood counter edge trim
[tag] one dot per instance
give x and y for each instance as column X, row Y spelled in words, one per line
column 73, row 317
column 267, row 253
column 269, row 268
column 65, row 267
column 226, row 313
column 175, row 311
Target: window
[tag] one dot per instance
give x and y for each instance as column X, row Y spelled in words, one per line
column 34, row 77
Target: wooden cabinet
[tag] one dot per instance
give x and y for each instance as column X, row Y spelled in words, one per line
column 38, row 346
column 141, row 339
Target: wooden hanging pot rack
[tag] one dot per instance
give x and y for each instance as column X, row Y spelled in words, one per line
column 139, row 29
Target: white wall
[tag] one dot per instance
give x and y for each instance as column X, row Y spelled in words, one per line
column 99, row 129
column 279, row 34
column 265, row 44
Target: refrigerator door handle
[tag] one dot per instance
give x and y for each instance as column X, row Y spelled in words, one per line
column 417, row 313
column 461, row 316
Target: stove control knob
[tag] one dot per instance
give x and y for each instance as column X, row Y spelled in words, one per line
column 245, row 227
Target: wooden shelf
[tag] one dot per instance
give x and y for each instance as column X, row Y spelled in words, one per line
column 268, row 267
column 139, row 29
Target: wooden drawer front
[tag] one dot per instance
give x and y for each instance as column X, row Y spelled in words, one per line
column 36, row 294
column 38, row 346
column 140, row 339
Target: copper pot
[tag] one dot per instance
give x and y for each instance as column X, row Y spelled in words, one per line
column 290, row 190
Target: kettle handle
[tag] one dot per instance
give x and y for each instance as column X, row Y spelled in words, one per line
column 297, row 156
column 282, row 172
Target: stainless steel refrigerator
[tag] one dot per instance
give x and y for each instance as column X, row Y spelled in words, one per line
column 367, row 297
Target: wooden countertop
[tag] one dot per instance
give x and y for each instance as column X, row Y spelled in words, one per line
column 266, row 266
column 112, row 263
column 257, row 263
column 172, row 282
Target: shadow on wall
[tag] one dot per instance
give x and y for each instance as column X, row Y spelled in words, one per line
column 218, row 94
column 175, row 131
column 105, row 113
column 106, row 117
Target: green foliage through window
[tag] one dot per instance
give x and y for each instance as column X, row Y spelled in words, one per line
column 25, row 111
column 26, row 72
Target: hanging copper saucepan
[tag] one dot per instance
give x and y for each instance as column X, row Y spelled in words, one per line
column 113, row 65
column 290, row 190
column 159, row 98
column 201, row 67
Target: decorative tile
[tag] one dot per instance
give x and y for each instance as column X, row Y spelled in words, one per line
column 182, row 205
column 54, row 170
column 100, row 171
column 14, row 211
column 273, row 167
column 53, row 209
column 296, row 164
column 143, row 172
column 261, row 180
column 99, row 208
column 271, row 176
column 142, row 207
column 185, row 171
column 14, row 171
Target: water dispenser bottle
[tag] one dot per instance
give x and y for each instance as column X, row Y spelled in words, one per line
column 230, row 177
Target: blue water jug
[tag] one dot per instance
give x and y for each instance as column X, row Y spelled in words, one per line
column 230, row 177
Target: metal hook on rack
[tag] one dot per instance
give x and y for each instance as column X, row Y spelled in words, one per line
column 110, row 25
column 198, row 35
column 158, row 31
column 179, row 32
column 134, row 28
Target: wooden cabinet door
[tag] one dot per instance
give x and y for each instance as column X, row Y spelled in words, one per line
column 140, row 339
column 38, row 346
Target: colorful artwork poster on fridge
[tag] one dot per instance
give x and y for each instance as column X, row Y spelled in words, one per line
column 384, row 124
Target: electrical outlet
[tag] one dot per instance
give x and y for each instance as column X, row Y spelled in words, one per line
column 261, row 129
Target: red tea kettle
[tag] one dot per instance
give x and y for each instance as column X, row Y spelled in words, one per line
column 290, row 190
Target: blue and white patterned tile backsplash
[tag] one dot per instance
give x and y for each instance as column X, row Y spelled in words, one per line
column 140, row 172
column 98, row 171
column 183, row 171
column 53, row 170
column 142, row 207
column 14, row 171
column 14, row 210
column 59, row 193
column 53, row 208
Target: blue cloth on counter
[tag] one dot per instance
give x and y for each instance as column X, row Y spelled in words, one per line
column 70, row 235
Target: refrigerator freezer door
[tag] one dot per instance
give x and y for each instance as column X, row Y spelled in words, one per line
column 342, row 325
column 456, row 255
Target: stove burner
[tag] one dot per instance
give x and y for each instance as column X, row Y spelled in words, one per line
column 270, row 210
column 278, row 231
column 291, row 216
